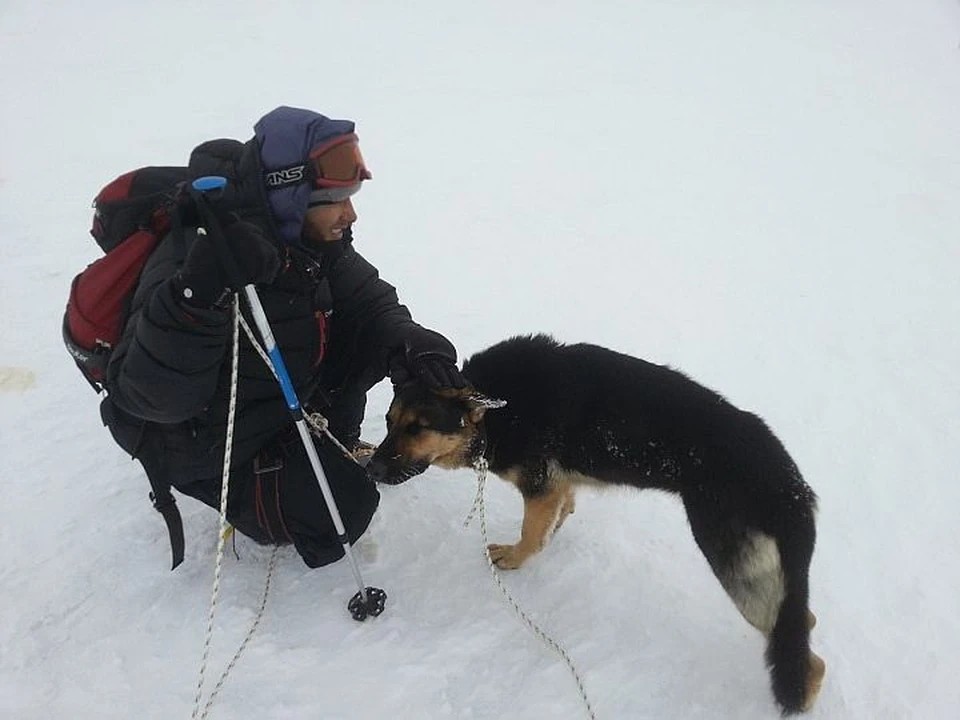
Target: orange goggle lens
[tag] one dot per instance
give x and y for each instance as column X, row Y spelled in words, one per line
column 339, row 163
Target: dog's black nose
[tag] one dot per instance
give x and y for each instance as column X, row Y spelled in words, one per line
column 376, row 470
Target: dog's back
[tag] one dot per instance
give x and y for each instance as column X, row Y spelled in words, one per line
column 603, row 413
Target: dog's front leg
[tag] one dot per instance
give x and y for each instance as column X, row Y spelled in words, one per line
column 569, row 506
column 540, row 515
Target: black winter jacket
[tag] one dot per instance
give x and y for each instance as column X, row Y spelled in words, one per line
column 336, row 322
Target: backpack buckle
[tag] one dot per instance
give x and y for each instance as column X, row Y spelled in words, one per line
column 267, row 462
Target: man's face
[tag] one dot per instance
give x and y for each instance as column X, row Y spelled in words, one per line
column 326, row 223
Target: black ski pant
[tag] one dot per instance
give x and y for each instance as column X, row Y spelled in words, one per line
column 276, row 499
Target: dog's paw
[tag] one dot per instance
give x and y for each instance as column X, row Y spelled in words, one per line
column 566, row 511
column 505, row 557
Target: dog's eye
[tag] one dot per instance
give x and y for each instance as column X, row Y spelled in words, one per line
column 413, row 429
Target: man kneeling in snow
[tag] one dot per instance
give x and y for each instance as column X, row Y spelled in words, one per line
column 340, row 327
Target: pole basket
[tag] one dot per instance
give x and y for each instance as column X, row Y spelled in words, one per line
column 360, row 610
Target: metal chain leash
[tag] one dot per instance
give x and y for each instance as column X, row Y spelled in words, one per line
column 480, row 466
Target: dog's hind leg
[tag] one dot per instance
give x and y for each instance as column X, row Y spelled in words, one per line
column 767, row 582
column 747, row 563
column 754, row 580
column 568, row 508
column 541, row 513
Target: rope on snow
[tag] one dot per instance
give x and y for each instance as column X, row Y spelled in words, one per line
column 481, row 469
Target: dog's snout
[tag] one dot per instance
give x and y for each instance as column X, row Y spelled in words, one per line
column 376, row 470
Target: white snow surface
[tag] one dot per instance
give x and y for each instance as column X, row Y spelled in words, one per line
column 763, row 194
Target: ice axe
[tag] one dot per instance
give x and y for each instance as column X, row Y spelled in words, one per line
column 369, row 601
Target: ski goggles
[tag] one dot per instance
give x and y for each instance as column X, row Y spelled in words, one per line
column 337, row 170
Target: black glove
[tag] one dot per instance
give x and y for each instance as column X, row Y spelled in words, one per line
column 202, row 282
column 429, row 357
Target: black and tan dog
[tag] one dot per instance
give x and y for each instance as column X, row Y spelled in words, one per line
column 548, row 417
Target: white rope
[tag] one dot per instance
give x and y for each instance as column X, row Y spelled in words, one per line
column 481, row 467
column 225, row 486
column 320, row 426
column 222, row 538
column 250, row 632
column 317, row 422
column 256, row 346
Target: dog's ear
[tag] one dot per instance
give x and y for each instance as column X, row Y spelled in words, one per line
column 478, row 404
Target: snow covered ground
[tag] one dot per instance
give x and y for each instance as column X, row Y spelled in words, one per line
column 764, row 194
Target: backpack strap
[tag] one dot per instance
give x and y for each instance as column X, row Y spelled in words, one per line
column 160, row 495
column 165, row 504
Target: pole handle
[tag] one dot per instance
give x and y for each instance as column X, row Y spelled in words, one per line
column 203, row 190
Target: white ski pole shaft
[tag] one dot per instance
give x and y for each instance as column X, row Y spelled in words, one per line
column 293, row 405
column 368, row 601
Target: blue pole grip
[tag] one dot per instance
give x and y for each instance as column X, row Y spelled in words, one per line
column 209, row 182
column 289, row 394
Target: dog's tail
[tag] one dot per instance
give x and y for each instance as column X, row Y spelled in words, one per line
column 766, row 577
column 795, row 672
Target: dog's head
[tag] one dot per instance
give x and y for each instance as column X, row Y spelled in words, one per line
column 427, row 428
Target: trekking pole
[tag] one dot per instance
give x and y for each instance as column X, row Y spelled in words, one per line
column 369, row 601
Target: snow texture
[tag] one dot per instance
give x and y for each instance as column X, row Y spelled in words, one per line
column 763, row 194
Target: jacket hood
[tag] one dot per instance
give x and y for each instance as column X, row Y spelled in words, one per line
column 285, row 137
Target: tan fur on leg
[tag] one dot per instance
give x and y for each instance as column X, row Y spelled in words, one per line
column 568, row 508
column 540, row 515
column 818, row 669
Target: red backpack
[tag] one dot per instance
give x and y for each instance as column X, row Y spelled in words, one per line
column 131, row 215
